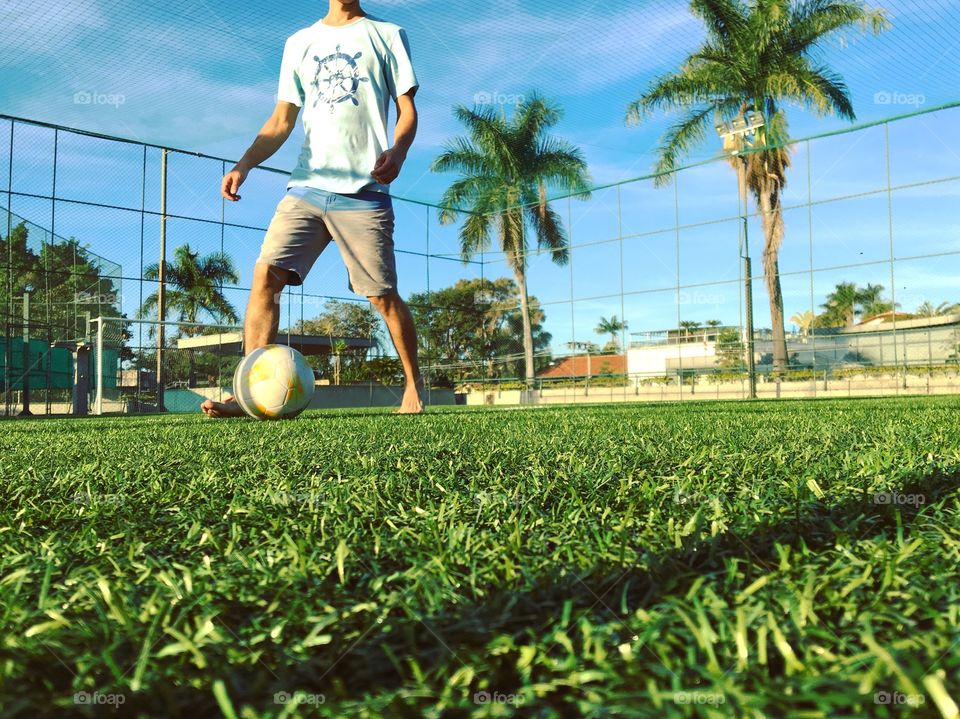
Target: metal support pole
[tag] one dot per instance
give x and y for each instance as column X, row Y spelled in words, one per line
column 8, row 340
column 428, row 379
column 748, row 277
column 81, row 380
column 25, row 412
column 98, row 404
column 748, row 298
column 162, row 278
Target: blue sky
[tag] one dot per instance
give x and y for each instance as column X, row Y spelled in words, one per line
column 203, row 78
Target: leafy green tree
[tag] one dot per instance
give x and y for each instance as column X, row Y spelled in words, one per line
column 506, row 167
column 339, row 320
column 758, row 56
column 345, row 319
column 67, row 284
column 612, row 327
column 474, row 328
column 730, row 349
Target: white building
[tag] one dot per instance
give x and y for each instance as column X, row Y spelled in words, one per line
column 907, row 342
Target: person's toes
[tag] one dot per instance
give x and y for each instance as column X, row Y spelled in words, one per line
column 227, row 408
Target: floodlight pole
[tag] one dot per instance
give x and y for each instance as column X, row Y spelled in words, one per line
column 162, row 279
column 734, row 136
column 747, row 277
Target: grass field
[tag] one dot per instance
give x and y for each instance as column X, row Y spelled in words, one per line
column 713, row 559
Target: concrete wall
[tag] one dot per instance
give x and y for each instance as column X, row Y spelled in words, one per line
column 326, row 397
column 883, row 386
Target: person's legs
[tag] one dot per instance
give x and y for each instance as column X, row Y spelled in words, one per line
column 259, row 327
column 399, row 321
column 365, row 241
column 262, row 320
column 294, row 240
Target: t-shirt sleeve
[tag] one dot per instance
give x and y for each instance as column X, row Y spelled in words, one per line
column 290, row 88
column 401, row 77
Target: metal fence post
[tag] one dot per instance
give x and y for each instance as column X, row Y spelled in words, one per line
column 162, row 277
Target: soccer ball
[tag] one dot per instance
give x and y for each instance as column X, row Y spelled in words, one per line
column 273, row 382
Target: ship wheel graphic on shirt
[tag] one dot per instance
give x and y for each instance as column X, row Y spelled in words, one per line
column 337, row 78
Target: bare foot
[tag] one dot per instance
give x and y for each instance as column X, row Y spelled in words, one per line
column 228, row 408
column 412, row 400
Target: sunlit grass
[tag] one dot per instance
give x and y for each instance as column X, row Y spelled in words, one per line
column 727, row 559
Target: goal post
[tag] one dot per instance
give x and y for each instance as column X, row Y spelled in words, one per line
column 196, row 358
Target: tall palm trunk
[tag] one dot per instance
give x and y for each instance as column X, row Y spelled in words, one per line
column 520, row 274
column 773, row 230
column 513, row 229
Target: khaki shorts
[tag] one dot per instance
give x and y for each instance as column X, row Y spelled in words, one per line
column 300, row 231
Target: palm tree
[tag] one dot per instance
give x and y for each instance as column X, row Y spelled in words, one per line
column 689, row 327
column 505, row 169
column 758, row 56
column 928, row 310
column 611, row 327
column 194, row 289
column 871, row 301
column 804, row 320
column 195, row 286
column 841, row 304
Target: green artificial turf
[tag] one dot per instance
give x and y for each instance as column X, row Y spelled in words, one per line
column 702, row 559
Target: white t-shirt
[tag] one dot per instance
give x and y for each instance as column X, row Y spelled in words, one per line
column 344, row 79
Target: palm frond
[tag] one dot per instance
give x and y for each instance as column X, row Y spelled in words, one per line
column 673, row 92
column 812, row 20
column 461, row 155
column 533, row 116
column 680, row 139
column 548, row 229
column 723, row 18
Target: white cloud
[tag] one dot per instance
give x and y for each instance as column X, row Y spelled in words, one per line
column 45, row 29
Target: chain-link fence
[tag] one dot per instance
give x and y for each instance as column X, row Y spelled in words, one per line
column 652, row 304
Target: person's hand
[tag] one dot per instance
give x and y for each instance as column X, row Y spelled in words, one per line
column 388, row 166
column 231, row 183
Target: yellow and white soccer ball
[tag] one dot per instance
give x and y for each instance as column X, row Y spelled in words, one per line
column 273, row 382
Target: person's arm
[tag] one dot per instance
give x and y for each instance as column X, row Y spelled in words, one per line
column 270, row 139
column 390, row 162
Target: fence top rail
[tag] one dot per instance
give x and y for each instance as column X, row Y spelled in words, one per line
column 551, row 198
column 138, row 321
column 761, row 148
column 201, row 155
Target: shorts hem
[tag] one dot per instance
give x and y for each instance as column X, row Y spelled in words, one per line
column 376, row 292
column 295, row 280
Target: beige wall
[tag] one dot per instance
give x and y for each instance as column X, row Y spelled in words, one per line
column 853, row 387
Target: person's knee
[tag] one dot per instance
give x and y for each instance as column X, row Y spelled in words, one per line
column 269, row 281
column 385, row 304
